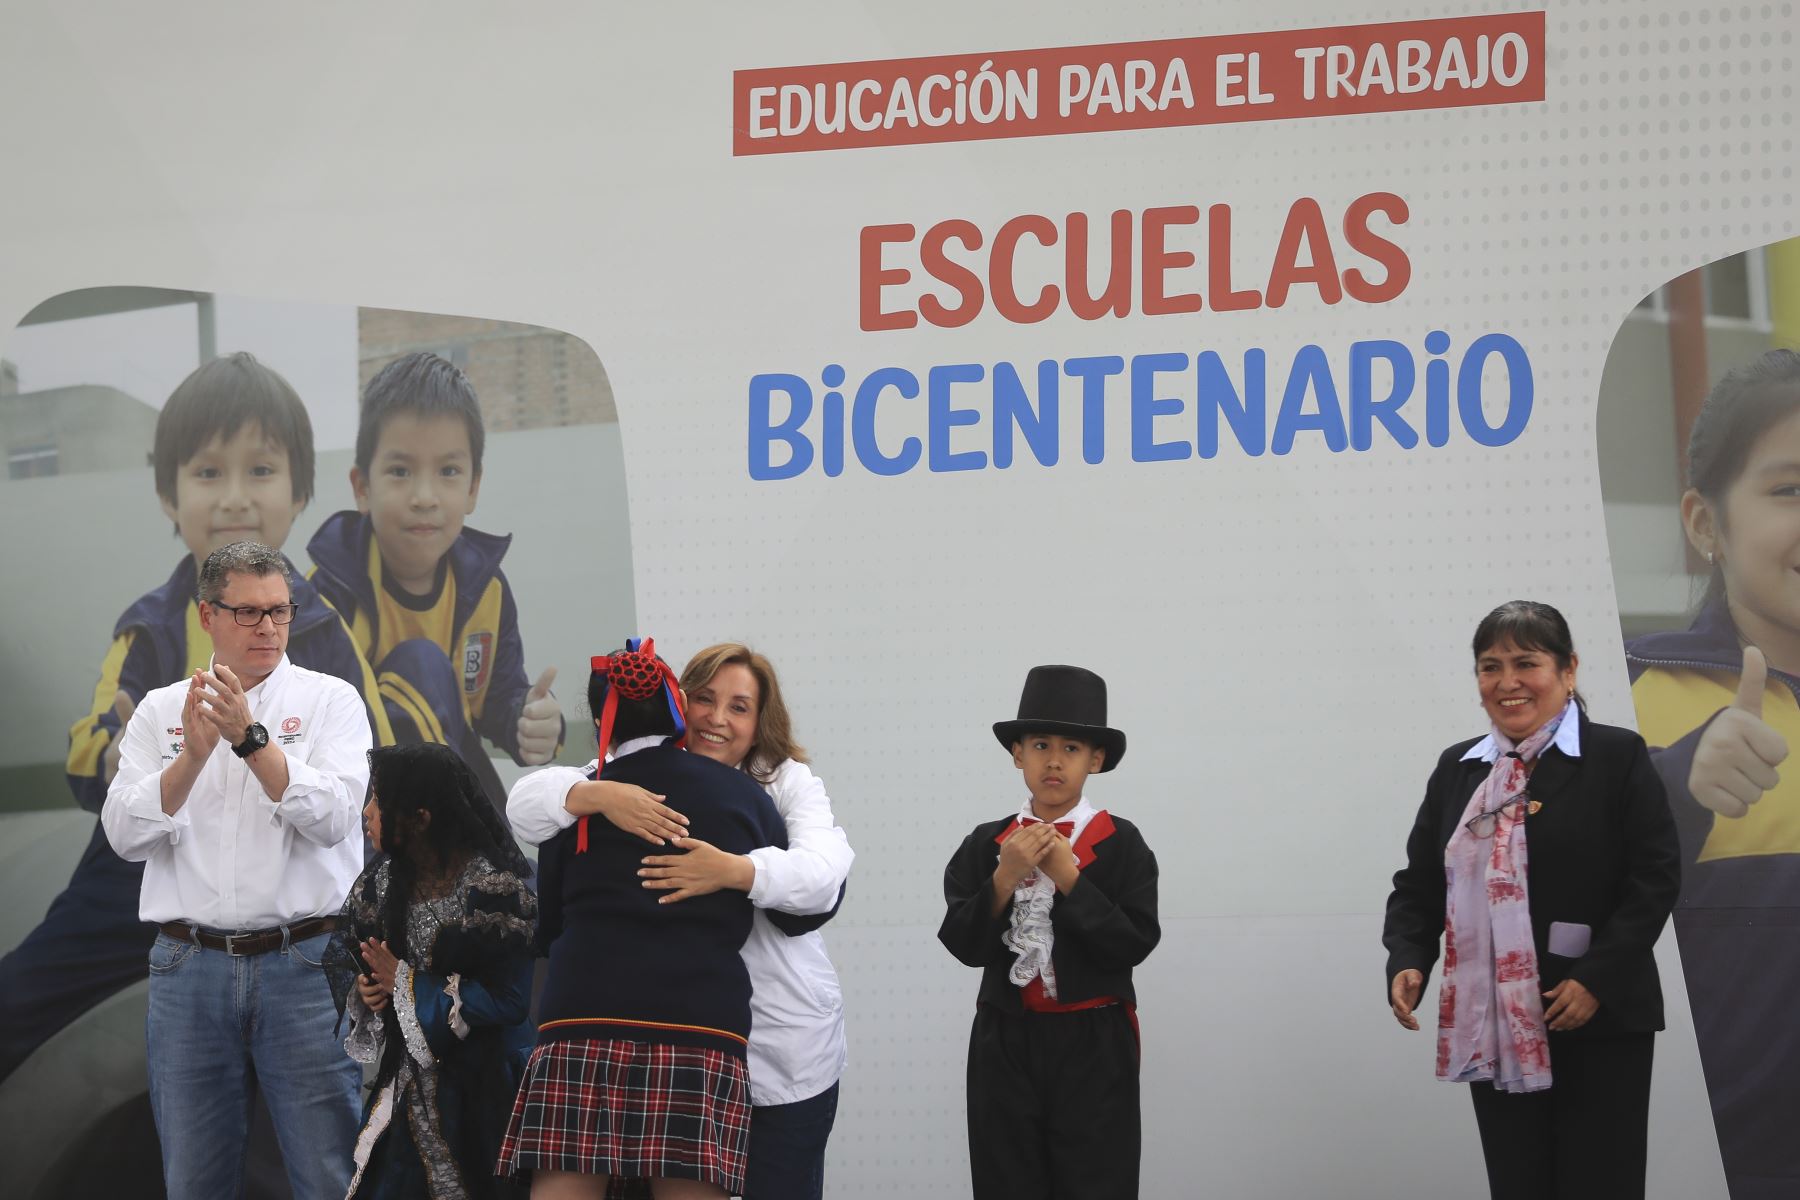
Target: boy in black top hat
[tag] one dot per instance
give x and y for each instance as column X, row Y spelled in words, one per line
column 1056, row 905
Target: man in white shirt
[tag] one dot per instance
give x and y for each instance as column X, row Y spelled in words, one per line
column 240, row 789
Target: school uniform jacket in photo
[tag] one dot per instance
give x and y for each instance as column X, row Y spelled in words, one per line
column 90, row 944
column 451, row 666
column 798, row 1046
column 1738, row 919
column 1602, row 853
column 1103, row 927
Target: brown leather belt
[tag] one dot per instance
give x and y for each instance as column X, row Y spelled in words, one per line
column 255, row 941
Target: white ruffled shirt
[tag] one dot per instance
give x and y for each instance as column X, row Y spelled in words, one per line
column 1030, row 935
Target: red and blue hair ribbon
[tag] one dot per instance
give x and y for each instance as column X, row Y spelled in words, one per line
column 637, row 674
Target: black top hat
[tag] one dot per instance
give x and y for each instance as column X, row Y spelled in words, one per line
column 1068, row 700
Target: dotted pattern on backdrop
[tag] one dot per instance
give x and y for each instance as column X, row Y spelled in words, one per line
column 1284, row 638
column 1548, row 222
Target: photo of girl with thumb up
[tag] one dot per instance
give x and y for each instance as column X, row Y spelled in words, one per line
column 1719, row 704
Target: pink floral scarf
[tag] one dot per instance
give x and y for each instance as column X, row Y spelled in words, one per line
column 1490, row 1015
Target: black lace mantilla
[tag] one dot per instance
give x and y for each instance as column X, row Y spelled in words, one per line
column 496, row 919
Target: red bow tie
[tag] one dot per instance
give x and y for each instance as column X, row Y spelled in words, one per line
column 1066, row 828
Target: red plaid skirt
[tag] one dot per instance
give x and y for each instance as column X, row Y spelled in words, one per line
column 631, row 1110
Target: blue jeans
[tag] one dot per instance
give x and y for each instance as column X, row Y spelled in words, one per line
column 215, row 1022
column 787, row 1148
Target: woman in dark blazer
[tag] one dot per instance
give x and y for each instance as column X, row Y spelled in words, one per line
column 1545, row 856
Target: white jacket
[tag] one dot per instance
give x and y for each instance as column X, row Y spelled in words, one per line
column 797, row 1043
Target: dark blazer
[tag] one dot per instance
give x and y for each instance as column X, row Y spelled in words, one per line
column 1602, row 852
column 1104, row 926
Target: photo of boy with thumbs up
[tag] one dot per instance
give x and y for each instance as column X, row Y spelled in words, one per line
column 1719, row 703
column 422, row 593
column 232, row 461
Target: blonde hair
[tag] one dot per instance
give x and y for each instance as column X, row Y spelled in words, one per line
column 774, row 741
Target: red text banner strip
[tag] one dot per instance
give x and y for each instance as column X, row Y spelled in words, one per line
column 1397, row 66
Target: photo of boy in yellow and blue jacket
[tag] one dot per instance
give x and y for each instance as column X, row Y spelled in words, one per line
column 233, row 461
column 423, row 594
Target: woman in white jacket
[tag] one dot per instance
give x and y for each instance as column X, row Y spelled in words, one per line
column 797, row 1046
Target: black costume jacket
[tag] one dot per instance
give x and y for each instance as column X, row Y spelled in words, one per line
column 1104, row 926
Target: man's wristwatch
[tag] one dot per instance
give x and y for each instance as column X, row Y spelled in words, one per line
column 255, row 738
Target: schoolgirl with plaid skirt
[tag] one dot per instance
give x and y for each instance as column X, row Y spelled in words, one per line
column 639, row 1071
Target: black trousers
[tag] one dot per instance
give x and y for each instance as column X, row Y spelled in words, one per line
column 1053, row 1105
column 1582, row 1138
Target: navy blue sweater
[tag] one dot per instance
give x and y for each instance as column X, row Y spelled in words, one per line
column 623, row 965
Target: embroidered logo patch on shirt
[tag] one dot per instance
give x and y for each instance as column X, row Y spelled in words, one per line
column 291, row 725
column 290, row 731
column 477, row 658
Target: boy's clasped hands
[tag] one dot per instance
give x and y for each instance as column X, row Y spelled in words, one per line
column 1031, row 848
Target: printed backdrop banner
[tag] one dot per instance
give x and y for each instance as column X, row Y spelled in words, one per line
column 1245, row 356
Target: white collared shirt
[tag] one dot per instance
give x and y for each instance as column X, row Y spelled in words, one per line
column 230, row 858
column 631, row 747
column 798, row 1046
column 1567, row 739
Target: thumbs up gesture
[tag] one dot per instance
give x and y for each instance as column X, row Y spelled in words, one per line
column 540, row 721
column 1735, row 762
